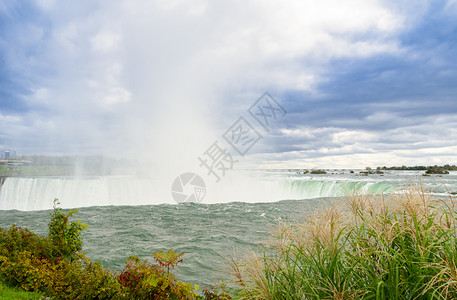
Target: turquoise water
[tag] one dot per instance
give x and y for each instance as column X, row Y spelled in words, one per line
column 205, row 232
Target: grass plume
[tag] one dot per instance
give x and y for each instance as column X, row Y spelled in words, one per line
column 401, row 246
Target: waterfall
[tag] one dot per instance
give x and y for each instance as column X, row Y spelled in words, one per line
column 38, row 193
column 23, row 193
column 308, row 189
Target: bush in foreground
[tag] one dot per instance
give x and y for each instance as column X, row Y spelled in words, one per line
column 400, row 247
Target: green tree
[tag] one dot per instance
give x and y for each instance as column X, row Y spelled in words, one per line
column 65, row 235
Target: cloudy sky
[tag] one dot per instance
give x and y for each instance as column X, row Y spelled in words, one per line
column 364, row 82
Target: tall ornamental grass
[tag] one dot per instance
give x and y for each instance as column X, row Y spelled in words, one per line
column 401, row 246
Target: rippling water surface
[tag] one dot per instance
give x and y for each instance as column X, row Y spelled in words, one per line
column 204, row 232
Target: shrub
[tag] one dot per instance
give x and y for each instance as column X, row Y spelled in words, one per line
column 63, row 234
column 83, row 279
column 17, row 239
column 143, row 280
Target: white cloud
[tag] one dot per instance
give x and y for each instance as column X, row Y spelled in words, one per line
column 427, row 141
column 40, row 96
column 353, row 136
column 8, row 120
column 66, row 36
column 115, row 96
column 275, row 42
column 105, row 42
column 46, row 4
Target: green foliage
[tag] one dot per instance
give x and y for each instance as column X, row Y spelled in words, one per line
column 143, row 280
column 168, row 259
column 422, row 168
column 17, row 239
column 20, row 252
column 77, row 279
column 437, row 170
column 318, row 172
column 63, row 234
column 82, row 279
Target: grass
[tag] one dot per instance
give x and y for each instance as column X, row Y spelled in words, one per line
column 7, row 293
column 35, row 170
column 373, row 247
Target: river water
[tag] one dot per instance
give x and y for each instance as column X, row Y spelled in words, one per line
column 126, row 217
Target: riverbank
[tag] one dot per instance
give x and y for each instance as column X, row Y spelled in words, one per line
column 30, row 170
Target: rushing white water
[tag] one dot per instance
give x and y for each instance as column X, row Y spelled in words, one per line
column 37, row 193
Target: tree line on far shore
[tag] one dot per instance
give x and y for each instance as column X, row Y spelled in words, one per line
column 429, row 169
